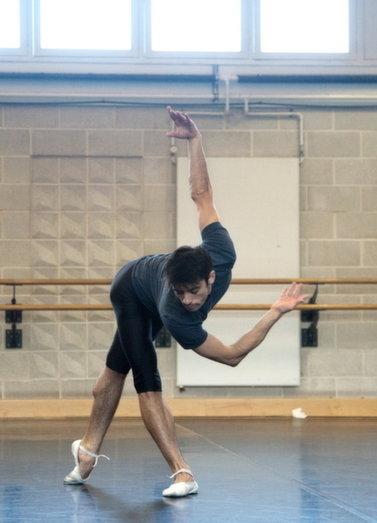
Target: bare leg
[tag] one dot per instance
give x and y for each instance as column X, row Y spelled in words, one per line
column 160, row 424
column 107, row 393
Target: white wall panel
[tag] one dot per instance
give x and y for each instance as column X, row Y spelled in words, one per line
column 258, row 202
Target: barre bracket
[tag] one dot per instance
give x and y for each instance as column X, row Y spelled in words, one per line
column 309, row 335
column 13, row 336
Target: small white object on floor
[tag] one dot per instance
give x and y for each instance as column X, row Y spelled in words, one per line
column 299, row 413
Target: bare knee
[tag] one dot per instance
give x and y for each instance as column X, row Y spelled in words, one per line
column 150, row 400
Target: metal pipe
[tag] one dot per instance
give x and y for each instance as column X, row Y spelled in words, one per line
column 283, row 114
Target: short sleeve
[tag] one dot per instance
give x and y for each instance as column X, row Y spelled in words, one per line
column 218, row 243
column 188, row 336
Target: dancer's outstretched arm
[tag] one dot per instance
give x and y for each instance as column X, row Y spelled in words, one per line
column 232, row 355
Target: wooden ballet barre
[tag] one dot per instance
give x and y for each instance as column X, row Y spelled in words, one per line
column 56, row 281
column 303, row 307
column 308, row 281
column 224, row 306
column 235, row 281
column 56, row 307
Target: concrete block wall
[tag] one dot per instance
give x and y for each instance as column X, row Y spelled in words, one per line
column 84, row 189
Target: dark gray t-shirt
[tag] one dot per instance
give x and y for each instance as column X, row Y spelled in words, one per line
column 155, row 293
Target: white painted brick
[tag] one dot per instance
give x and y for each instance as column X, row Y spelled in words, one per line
column 334, row 253
column 333, row 144
column 58, row 143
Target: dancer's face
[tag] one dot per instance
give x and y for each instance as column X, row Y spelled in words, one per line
column 193, row 295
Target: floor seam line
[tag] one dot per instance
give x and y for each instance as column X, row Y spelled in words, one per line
column 329, row 499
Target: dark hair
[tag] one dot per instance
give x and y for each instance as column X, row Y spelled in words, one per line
column 188, row 265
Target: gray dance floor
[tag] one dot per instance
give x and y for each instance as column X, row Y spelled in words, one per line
column 258, row 470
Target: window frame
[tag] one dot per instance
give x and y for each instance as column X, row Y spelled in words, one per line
column 30, row 58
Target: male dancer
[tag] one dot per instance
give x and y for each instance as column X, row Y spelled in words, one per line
column 176, row 290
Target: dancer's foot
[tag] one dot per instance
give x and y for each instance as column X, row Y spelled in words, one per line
column 85, row 461
column 184, row 485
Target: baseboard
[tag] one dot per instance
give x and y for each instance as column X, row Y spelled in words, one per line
column 196, row 407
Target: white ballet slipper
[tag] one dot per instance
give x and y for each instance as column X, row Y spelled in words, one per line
column 181, row 488
column 74, row 477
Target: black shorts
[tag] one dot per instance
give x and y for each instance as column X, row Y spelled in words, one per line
column 133, row 347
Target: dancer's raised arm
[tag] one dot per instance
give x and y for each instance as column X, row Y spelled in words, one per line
column 200, row 185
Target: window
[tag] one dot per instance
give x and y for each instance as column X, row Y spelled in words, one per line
column 204, row 26
column 85, row 24
column 304, row 26
column 248, row 37
column 10, row 30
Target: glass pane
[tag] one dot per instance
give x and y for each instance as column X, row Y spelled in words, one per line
column 196, row 25
column 304, row 26
column 86, row 24
column 10, row 34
